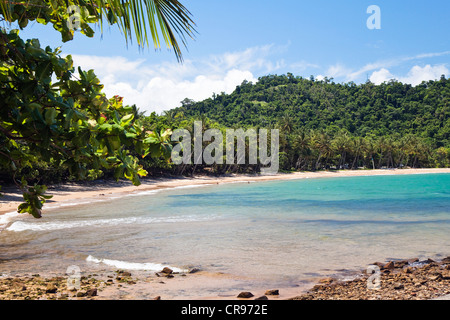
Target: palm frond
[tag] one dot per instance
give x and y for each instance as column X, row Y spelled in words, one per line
column 147, row 21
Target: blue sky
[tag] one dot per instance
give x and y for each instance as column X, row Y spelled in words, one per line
column 246, row 39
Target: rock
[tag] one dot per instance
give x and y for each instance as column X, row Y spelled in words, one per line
column 446, row 260
column 378, row 264
column 51, row 289
column 262, row 298
column 91, row 292
column 389, row 266
column 272, row 292
column 125, row 274
column 435, row 277
column 401, row 263
column 318, row 287
column 167, row 270
column 245, row 295
column 326, row 280
column 194, row 270
column 408, row 270
column 412, row 260
column 80, row 294
column 157, row 298
column 398, row 286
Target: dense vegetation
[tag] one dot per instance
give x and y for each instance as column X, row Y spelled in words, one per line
column 56, row 124
column 332, row 125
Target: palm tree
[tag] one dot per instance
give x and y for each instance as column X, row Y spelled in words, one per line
column 342, row 146
column 320, row 141
column 146, row 20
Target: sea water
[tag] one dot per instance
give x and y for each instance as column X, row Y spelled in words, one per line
column 274, row 232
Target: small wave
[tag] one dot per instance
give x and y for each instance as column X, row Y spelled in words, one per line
column 6, row 218
column 19, row 226
column 148, row 266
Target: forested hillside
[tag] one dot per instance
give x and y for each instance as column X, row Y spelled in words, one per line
column 325, row 124
column 297, row 103
column 322, row 124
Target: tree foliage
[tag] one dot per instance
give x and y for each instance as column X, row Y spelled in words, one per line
column 51, row 117
column 332, row 125
column 146, row 21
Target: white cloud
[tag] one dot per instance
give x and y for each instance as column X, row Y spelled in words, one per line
column 418, row 74
column 162, row 87
column 337, row 70
column 415, row 76
column 381, row 76
column 384, row 64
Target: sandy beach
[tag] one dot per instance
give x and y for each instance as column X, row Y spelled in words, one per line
column 72, row 192
column 110, row 284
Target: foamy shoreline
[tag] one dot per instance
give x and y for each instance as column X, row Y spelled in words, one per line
column 82, row 193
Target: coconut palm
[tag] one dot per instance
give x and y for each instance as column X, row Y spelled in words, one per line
column 145, row 20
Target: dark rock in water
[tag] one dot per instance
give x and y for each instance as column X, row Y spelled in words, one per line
column 194, row 270
column 379, row 264
column 167, row 270
column 262, row 298
column 326, row 280
column 91, row 292
column 245, row 295
column 428, row 261
column 272, row 292
column 446, row 260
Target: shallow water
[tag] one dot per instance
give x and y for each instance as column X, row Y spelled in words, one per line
column 276, row 233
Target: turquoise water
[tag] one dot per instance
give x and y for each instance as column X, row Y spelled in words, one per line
column 279, row 232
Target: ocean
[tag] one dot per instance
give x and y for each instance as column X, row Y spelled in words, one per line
column 273, row 233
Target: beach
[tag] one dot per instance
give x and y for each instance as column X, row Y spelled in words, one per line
column 73, row 192
column 121, row 284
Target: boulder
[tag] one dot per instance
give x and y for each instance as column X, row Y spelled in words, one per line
column 194, row 270
column 91, row 292
column 245, row 295
column 272, row 292
column 446, row 260
column 167, row 270
column 51, row 289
